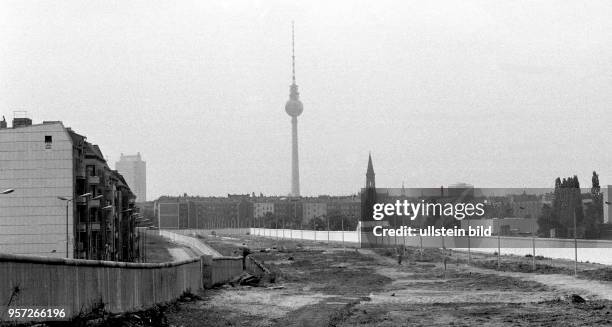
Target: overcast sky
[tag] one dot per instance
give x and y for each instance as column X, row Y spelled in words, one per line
column 493, row 93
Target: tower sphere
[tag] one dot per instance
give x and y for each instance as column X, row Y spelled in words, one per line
column 294, row 108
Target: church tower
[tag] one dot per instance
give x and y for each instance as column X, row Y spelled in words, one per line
column 368, row 199
column 370, row 176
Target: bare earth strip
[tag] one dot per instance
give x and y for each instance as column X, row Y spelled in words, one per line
column 590, row 289
column 318, row 285
column 179, row 254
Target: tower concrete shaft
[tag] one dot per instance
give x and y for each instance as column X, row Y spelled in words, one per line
column 295, row 164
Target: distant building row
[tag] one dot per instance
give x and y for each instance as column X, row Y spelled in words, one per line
column 237, row 211
column 234, row 211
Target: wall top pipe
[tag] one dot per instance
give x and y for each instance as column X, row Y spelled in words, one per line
column 90, row 263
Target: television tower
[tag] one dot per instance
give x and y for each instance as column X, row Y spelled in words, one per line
column 294, row 108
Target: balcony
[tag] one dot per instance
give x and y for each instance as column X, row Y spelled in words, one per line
column 93, row 226
column 80, row 172
column 93, row 180
column 82, row 201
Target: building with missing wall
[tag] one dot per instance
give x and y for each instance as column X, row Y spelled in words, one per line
column 66, row 201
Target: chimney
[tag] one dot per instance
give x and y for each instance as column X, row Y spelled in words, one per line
column 20, row 119
column 21, row 122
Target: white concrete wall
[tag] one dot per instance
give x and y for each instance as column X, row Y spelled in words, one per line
column 32, row 219
column 597, row 251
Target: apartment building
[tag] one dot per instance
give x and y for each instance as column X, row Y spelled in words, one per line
column 134, row 171
column 66, row 201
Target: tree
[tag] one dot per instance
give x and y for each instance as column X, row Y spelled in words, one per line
column 317, row 223
column 339, row 221
column 567, row 207
column 593, row 216
column 269, row 220
column 547, row 221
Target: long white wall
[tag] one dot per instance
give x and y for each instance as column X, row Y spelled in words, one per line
column 598, row 251
column 32, row 219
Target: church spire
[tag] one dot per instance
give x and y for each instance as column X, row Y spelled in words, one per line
column 370, row 176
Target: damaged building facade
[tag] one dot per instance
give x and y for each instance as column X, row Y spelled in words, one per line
column 65, row 200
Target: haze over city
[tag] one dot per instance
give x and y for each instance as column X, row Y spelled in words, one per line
column 495, row 94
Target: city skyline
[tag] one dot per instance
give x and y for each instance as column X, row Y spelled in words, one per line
column 497, row 95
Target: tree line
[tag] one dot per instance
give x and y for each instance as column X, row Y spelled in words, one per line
column 568, row 215
column 332, row 221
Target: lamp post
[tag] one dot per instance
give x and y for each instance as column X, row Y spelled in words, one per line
column 573, row 206
column 342, row 228
column 140, row 221
column 469, row 243
column 327, row 216
column 533, row 252
column 89, row 196
column 108, row 255
column 67, row 200
column 575, row 246
column 86, row 196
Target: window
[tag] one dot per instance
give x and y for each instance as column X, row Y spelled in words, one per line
column 48, row 141
column 91, row 170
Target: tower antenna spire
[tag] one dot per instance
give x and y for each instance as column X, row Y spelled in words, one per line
column 293, row 50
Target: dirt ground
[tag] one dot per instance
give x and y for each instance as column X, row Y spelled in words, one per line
column 543, row 265
column 161, row 249
column 157, row 248
column 319, row 285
